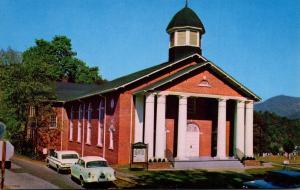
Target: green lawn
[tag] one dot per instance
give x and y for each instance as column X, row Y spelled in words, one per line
column 279, row 159
column 194, row 178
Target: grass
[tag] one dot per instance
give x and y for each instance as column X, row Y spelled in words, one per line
column 279, row 159
column 193, row 178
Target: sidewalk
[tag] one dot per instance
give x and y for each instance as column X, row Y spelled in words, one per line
column 16, row 179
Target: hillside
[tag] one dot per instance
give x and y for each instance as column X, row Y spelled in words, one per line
column 281, row 105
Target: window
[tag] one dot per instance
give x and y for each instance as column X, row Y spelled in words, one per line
column 193, row 38
column 31, row 111
column 79, row 124
column 192, row 105
column 181, row 38
column 71, row 124
column 111, row 139
column 111, row 135
column 172, row 39
column 89, row 125
column 100, row 122
column 53, row 121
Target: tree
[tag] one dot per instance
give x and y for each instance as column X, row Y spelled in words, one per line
column 10, row 56
column 288, row 146
column 58, row 54
column 23, row 86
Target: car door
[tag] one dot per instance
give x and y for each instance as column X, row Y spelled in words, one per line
column 76, row 168
column 52, row 159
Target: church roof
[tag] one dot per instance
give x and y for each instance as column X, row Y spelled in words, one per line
column 226, row 77
column 70, row 91
column 66, row 91
column 186, row 17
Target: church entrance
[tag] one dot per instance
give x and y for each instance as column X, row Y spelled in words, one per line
column 192, row 140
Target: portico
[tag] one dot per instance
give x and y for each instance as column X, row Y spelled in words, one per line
column 154, row 128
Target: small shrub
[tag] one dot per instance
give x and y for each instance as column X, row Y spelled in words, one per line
column 150, row 160
column 159, row 160
column 154, row 160
column 164, row 160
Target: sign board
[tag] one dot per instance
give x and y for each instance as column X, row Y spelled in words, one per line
column 139, row 154
column 9, row 150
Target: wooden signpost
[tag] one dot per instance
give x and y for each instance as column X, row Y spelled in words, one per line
column 139, row 155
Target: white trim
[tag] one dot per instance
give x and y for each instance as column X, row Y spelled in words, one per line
column 104, row 129
column 178, row 93
column 82, row 140
column 71, row 125
column 131, row 122
column 175, row 38
column 89, row 125
column 79, row 125
column 184, row 27
column 100, row 131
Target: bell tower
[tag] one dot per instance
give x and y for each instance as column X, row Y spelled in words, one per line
column 185, row 30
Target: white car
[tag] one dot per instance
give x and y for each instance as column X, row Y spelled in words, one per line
column 62, row 160
column 91, row 169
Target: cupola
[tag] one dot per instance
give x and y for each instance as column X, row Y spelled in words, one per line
column 185, row 30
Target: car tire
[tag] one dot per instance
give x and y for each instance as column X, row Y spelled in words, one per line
column 82, row 183
column 73, row 178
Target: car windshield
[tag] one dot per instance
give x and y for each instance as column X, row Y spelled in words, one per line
column 96, row 164
column 69, row 156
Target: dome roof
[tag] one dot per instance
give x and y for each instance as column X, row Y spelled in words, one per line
column 186, row 17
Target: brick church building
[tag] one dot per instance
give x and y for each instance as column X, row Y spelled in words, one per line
column 185, row 108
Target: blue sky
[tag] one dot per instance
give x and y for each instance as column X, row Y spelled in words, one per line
column 255, row 41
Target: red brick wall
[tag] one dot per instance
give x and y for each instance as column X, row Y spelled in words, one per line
column 126, row 124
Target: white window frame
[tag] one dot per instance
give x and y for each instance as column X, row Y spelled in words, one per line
column 111, row 138
column 71, row 124
column 79, row 126
column 89, row 125
column 100, row 123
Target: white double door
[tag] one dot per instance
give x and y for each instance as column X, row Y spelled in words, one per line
column 192, row 141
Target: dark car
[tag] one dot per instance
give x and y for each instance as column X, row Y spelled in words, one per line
column 278, row 179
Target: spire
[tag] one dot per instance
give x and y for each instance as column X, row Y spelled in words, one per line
column 186, row 3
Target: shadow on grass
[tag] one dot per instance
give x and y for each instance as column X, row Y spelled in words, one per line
column 192, row 179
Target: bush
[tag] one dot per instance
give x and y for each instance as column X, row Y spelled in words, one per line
column 164, row 160
column 159, row 160
column 150, row 160
column 154, row 160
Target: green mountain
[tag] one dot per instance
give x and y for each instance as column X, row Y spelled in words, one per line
column 282, row 105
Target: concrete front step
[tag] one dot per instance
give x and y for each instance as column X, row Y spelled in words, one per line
column 207, row 164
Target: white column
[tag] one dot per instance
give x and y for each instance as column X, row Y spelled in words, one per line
column 160, row 141
column 139, row 119
column 149, row 124
column 249, row 129
column 239, row 129
column 221, row 140
column 182, row 125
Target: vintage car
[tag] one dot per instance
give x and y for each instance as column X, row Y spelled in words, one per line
column 278, row 179
column 92, row 169
column 62, row 160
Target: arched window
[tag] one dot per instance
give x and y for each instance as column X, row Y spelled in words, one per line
column 100, row 122
column 79, row 124
column 89, row 125
column 71, row 124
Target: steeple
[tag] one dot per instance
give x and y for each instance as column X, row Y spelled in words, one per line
column 185, row 30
